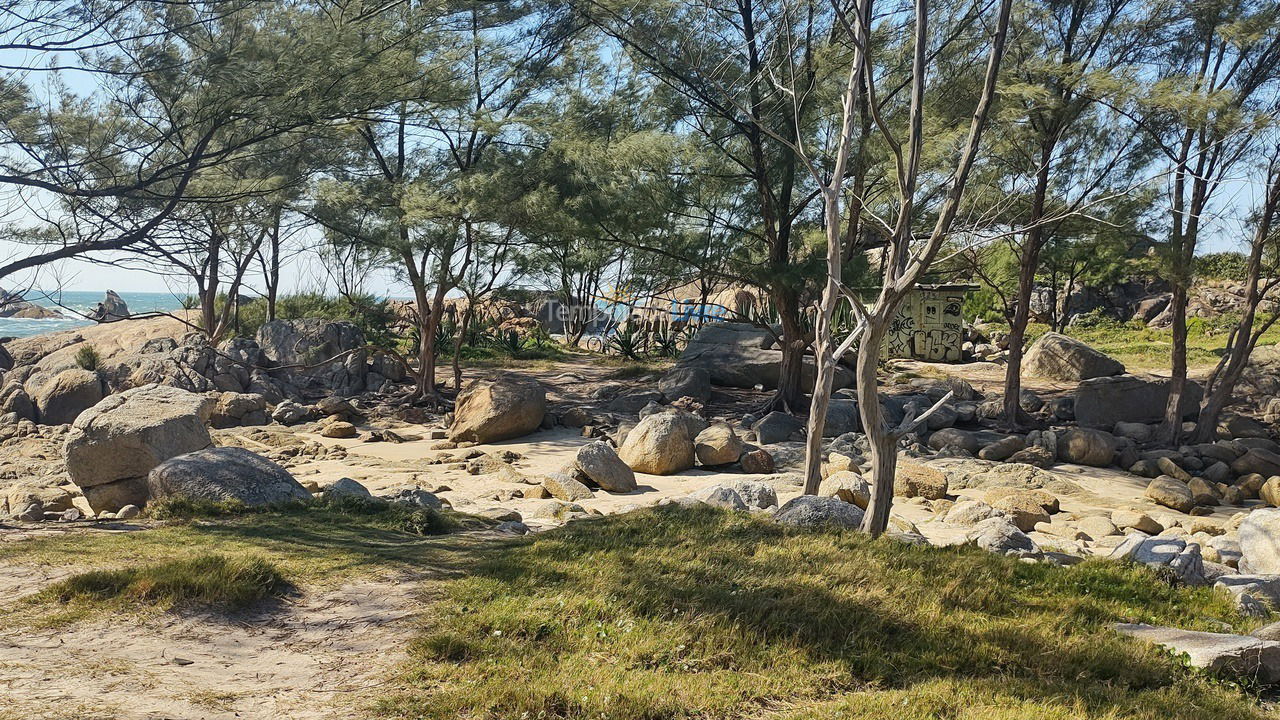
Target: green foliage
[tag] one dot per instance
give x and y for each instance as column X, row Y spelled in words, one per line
column 88, row 358
column 204, row 580
column 373, row 316
column 681, row 614
column 1221, row 266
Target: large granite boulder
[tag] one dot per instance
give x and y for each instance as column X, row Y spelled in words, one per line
column 316, row 352
column 1058, row 357
column 601, row 464
column 113, row 445
column 813, row 511
column 1260, row 542
column 1104, row 401
column 1233, row 656
column 1085, row 446
column 63, row 397
column 491, row 410
column 690, row 381
column 660, row 444
column 744, row 355
column 223, row 474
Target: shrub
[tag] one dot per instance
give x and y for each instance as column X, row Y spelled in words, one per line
column 1221, row 266
column 88, row 358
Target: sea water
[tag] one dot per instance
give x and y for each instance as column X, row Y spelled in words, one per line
column 75, row 304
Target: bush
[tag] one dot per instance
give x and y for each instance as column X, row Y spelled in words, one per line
column 1221, row 266
column 88, row 358
column 372, row 315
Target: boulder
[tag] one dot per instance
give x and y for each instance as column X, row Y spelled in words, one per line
column 742, row 355
column 1058, row 357
column 689, row 381
column 753, row 493
column 1135, row 520
column 917, row 480
column 1022, row 509
column 757, row 462
column 776, row 427
column 1102, row 402
column 658, row 445
column 122, row 438
column 113, row 307
column 1000, row 535
column 301, row 348
column 224, row 474
column 1170, row 493
column 970, row 513
column 1257, row 460
column 491, row 410
column 234, row 409
column 338, row 429
column 346, row 487
column 1260, row 542
column 289, row 412
column 1002, row 449
column 599, row 462
column 814, row 511
column 848, row 486
column 563, row 486
column 717, row 445
column 1087, row 447
column 954, row 436
column 721, row 497
column 1239, row 657
column 62, row 398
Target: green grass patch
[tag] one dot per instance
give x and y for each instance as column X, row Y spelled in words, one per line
column 399, row 517
column 666, row 614
column 1141, row 347
column 204, row 580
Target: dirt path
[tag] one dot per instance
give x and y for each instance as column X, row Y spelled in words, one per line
column 317, row 656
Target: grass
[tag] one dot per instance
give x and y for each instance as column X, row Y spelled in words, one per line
column 667, row 614
column 313, row 543
column 1138, row 346
column 204, row 580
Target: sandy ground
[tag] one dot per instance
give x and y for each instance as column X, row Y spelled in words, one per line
column 313, row 657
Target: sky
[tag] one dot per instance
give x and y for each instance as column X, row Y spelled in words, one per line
column 1226, row 230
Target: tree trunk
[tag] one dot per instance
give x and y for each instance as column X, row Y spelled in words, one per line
column 884, row 445
column 823, row 351
column 458, row 338
column 1172, row 429
column 790, row 395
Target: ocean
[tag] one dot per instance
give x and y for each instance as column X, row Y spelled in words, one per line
column 71, row 302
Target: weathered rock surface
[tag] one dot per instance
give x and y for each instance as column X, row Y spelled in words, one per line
column 742, row 355
column 126, row 435
column 491, row 410
column 1170, row 493
column 223, row 474
column 1087, row 447
column 1260, row 542
column 327, row 354
column 659, row 444
column 689, row 381
column 813, row 511
column 61, row 399
column 717, row 445
column 1104, row 401
column 1058, row 357
column 1237, row 656
column 601, row 463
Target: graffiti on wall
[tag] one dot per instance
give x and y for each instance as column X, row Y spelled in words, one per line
column 928, row 326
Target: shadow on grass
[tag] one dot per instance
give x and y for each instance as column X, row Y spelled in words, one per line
column 702, row 614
